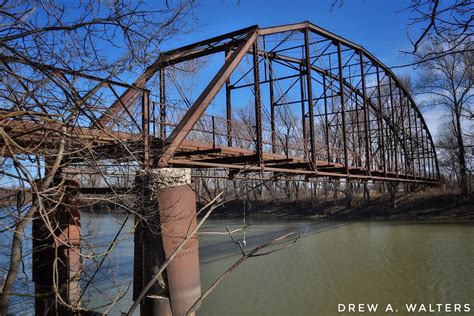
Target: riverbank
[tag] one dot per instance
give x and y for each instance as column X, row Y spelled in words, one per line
column 430, row 205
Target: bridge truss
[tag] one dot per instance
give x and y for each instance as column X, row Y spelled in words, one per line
column 289, row 100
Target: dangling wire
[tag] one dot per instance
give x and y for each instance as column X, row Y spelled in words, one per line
column 244, row 241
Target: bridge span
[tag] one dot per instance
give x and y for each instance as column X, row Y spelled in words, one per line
column 292, row 99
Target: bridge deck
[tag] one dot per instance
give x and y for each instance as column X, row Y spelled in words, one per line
column 112, row 145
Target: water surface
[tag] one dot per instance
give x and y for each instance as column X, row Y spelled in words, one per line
column 333, row 263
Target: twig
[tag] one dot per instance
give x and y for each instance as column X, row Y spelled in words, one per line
column 235, row 241
column 252, row 253
column 224, row 233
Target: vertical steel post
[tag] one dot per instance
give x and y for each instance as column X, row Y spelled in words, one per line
column 403, row 152
column 366, row 115
column 394, row 126
column 417, row 143
column 423, row 151
column 303, row 114
column 326, row 118
column 258, row 104
column 352, row 128
column 310, row 98
column 432, row 167
column 162, row 104
column 412, row 154
column 213, row 132
column 389, row 140
column 343, row 107
column 381, row 127
column 146, row 128
column 228, row 103
column 429, row 163
column 359, row 162
column 272, row 105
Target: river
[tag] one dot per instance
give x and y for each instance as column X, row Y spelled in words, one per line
column 334, row 263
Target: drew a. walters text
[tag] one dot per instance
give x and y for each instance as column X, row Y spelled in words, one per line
column 410, row 308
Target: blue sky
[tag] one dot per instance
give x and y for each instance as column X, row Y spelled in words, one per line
column 375, row 24
column 381, row 26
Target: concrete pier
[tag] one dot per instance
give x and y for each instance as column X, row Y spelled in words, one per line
column 166, row 214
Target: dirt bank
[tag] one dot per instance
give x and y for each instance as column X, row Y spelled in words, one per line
column 431, row 205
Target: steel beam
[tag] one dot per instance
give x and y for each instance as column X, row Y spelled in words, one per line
column 379, row 119
column 257, row 104
column 146, row 128
column 163, row 104
column 200, row 105
column 272, row 104
column 343, row 107
column 303, row 112
column 368, row 154
column 310, row 98
column 394, row 118
column 228, row 105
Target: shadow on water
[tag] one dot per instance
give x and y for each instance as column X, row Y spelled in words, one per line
column 224, row 248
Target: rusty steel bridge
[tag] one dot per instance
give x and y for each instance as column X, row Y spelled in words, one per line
column 312, row 103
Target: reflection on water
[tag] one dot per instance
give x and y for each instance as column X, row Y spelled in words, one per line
column 362, row 262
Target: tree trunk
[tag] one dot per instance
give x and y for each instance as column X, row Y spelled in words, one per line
column 393, row 188
column 366, row 194
column 462, row 155
column 15, row 260
column 349, row 193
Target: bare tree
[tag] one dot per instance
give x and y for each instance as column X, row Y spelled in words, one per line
column 54, row 59
column 448, row 82
column 450, row 21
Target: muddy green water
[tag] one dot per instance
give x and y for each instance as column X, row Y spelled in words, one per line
column 333, row 263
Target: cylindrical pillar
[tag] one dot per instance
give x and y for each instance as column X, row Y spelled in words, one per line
column 56, row 251
column 166, row 217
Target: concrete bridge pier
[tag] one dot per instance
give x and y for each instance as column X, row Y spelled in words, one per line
column 166, row 214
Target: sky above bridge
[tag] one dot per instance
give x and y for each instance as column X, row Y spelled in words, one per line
column 381, row 26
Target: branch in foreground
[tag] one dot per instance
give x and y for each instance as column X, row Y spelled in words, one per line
column 245, row 256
